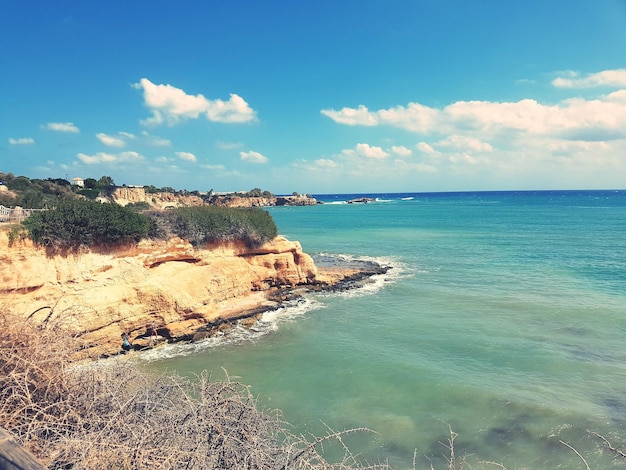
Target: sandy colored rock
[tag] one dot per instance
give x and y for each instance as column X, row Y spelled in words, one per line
column 101, row 293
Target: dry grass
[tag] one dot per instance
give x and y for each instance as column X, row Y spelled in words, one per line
column 119, row 417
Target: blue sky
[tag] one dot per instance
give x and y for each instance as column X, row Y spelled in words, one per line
column 318, row 96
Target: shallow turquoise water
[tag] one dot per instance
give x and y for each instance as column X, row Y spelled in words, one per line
column 504, row 316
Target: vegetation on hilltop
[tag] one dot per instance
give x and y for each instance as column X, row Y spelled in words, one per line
column 43, row 194
column 203, row 224
column 77, row 223
column 73, row 223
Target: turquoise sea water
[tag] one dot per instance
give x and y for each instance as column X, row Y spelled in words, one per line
column 503, row 317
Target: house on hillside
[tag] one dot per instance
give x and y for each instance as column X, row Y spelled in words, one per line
column 78, row 182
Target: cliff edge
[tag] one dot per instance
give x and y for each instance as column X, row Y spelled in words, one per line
column 100, row 294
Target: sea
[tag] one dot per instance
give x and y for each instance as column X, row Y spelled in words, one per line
column 501, row 324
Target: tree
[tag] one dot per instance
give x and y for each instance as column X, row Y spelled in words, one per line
column 90, row 183
column 105, row 182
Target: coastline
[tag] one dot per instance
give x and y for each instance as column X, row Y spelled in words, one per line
column 155, row 292
column 338, row 276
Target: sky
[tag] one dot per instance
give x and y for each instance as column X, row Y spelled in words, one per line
column 324, row 96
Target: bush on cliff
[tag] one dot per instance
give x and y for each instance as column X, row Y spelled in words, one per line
column 203, row 224
column 76, row 222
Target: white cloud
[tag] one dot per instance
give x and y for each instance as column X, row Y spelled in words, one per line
column 606, row 78
column 253, row 157
column 110, row 140
column 367, row 151
column 465, row 143
column 156, row 141
column 170, row 104
column 22, row 141
column 103, row 157
column 228, row 145
column 401, row 151
column 352, row 117
column 575, row 119
column 188, row 156
column 61, row 127
column 326, row 163
column 423, row 147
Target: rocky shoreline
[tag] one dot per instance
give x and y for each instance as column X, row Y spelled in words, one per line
column 335, row 275
column 183, row 293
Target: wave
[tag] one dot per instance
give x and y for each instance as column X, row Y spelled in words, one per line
column 269, row 323
column 289, row 311
column 371, row 285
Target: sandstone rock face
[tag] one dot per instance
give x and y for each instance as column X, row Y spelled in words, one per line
column 161, row 200
column 101, row 293
column 126, row 195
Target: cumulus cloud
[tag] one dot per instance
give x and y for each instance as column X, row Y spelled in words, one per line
column 367, row 151
column 575, row 118
column 171, row 105
column 426, row 148
column 606, row 78
column 155, row 141
column 326, row 163
column 110, row 140
column 352, row 117
column 401, row 151
column 465, row 143
column 22, row 141
column 253, row 157
column 188, row 156
column 61, row 127
column 103, row 157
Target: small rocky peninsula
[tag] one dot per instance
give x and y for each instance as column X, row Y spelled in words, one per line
column 182, row 292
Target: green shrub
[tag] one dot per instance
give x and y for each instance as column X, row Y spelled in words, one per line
column 77, row 222
column 203, row 224
column 89, row 193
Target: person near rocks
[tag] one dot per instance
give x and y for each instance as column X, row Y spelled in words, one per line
column 126, row 346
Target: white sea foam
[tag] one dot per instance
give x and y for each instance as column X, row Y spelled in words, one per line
column 374, row 283
column 268, row 324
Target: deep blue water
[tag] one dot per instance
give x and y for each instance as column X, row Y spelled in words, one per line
column 503, row 316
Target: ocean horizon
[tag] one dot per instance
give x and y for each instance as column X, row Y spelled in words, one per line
column 501, row 318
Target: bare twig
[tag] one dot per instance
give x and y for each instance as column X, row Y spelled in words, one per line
column 576, row 452
column 608, row 444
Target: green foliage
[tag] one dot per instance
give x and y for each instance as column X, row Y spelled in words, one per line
column 203, row 224
column 105, row 182
column 256, row 192
column 35, row 193
column 73, row 222
column 90, row 183
column 20, row 183
column 138, row 206
column 89, row 193
column 77, row 222
column 17, row 233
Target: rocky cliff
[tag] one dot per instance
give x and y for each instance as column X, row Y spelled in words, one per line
column 162, row 200
column 101, row 293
